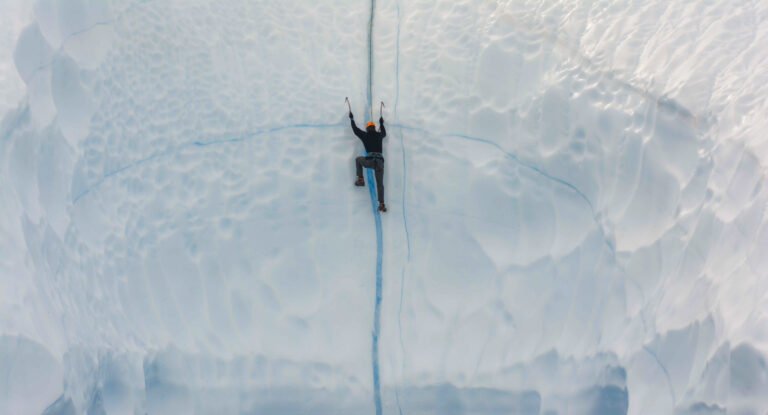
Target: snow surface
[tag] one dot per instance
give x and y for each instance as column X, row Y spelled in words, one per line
column 577, row 207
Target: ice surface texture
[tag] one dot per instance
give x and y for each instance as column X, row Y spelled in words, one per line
column 577, row 208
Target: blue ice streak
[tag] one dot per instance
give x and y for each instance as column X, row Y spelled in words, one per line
column 379, row 237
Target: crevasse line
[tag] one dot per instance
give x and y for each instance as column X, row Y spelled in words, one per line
column 206, row 142
column 404, row 206
column 530, row 166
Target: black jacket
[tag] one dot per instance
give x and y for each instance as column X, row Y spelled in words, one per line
column 371, row 138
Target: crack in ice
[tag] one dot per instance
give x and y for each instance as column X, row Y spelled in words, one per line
column 404, row 207
column 242, row 137
column 663, row 368
column 76, row 33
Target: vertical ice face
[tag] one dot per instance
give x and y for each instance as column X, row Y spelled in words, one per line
column 576, row 192
column 605, row 190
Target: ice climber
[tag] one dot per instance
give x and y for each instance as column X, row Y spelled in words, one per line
column 374, row 159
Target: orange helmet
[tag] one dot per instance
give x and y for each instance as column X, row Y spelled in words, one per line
column 370, row 124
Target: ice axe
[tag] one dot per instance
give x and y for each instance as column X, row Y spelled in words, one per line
column 381, row 110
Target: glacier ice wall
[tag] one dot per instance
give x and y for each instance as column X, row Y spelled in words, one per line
column 576, row 189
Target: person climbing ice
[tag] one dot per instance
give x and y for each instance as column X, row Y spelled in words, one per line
column 374, row 159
